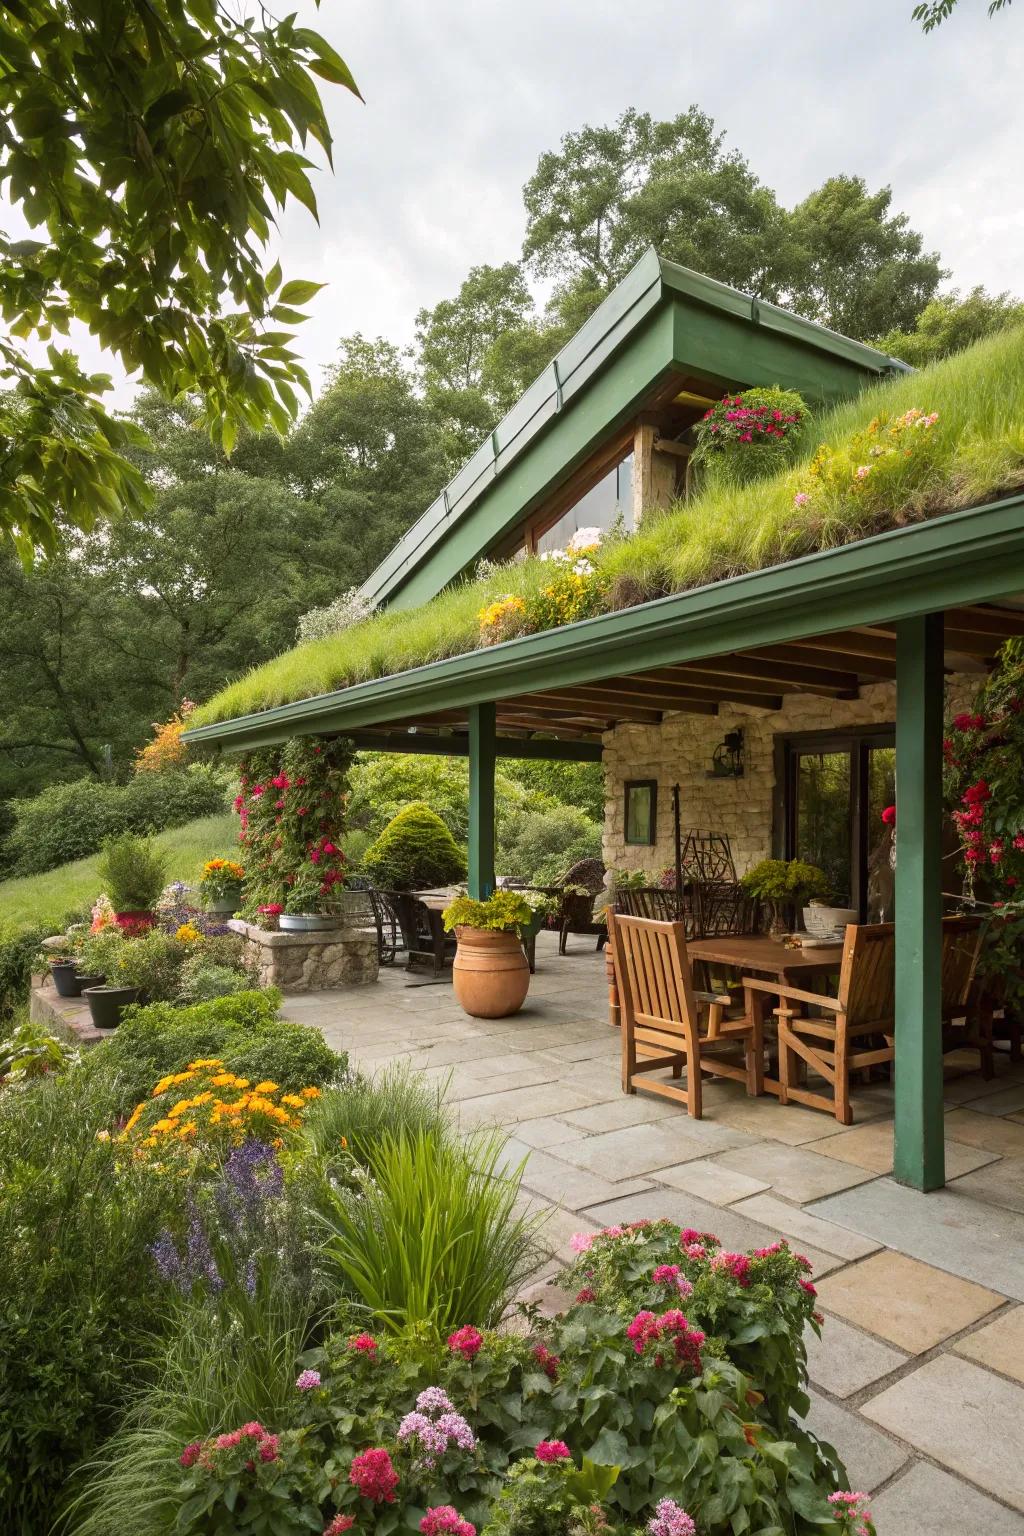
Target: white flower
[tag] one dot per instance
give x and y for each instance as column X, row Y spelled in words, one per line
column 584, row 538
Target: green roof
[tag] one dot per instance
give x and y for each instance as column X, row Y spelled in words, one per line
column 651, row 284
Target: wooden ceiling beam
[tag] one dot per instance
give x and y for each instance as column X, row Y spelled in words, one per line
column 578, row 703
column 810, row 675
column 655, row 692
column 847, row 653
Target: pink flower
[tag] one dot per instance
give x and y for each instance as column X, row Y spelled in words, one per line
column 735, row 1264
column 805, row 1285
column 339, row 1525
column 587, row 1294
column 190, row 1455
column 801, row 499
column 365, row 1343
column 374, row 1476
column 280, row 781
column 253, row 1430
column 547, row 1361
column 466, row 1342
column 581, row 1241
column 307, row 1380
column 552, row 1450
column 229, row 1441
column 269, row 1447
column 862, row 471
column 889, row 816
column 303, row 810
column 443, row 1520
column 670, row 1519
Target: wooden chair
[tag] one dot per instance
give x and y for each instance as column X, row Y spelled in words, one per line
column 961, row 1005
column 832, row 1035
column 665, row 1022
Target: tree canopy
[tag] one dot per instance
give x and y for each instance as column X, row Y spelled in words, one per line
column 146, row 144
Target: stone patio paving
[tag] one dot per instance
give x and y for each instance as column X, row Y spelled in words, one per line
column 919, row 1378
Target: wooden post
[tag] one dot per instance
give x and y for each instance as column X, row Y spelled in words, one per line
column 654, row 474
column 481, row 800
column 920, row 1151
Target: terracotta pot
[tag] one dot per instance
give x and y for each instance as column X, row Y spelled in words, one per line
column 491, row 974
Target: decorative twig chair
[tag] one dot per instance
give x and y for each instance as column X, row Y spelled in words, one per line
column 833, row 1035
column 666, row 1023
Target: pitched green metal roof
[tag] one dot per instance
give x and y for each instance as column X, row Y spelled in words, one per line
column 651, row 283
column 958, row 558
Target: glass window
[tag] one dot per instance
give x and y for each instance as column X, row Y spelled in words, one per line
column 881, row 836
column 601, row 507
column 824, row 811
column 641, row 811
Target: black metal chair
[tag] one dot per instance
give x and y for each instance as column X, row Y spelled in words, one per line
column 382, row 914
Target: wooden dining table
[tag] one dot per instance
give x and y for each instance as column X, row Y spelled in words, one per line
column 755, row 955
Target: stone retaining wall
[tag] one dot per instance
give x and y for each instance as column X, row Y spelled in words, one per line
column 311, row 962
column 678, row 751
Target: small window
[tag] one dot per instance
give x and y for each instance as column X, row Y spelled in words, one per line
column 641, row 811
column 605, row 504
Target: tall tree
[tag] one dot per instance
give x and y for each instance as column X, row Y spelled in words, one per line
column 862, row 269
column 146, row 142
column 932, row 13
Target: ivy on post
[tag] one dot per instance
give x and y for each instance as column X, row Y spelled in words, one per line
column 482, row 754
column 919, row 1152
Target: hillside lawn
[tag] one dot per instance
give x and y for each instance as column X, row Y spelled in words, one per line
column 43, row 901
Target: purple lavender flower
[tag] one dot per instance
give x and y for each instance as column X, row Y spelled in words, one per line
column 454, row 1428
column 307, row 1380
column 435, row 1400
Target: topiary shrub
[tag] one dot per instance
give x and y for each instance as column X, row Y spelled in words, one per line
column 414, row 852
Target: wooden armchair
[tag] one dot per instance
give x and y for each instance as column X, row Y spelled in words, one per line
column 833, row 1035
column 665, row 1022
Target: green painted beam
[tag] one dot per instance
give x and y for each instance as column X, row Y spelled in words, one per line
column 481, row 800
column 920, row 1150
column 961, row 558
column 457, row 745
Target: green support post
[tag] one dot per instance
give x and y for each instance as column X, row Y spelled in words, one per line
column 482, row 755
column 920, row 1152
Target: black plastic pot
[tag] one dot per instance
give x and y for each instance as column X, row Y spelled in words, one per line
column 106, row 1004
column 85, row 979
column 64, row 978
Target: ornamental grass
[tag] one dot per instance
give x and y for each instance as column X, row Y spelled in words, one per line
column 974, row 454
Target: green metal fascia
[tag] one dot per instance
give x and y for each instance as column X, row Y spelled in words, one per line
column 962, row 557
column 719, row 331
column 546, row 749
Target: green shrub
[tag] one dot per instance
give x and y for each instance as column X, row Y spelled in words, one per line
column 68, row 821
column 152, row 963
column 415, row 852
column 17, row 953
column 31, row 1051
column 395, row 1102
column 243, row 1030
column 132, row 872
column 77, row 1310
column 434, row 1236
column 538, row 845
column 100, row 953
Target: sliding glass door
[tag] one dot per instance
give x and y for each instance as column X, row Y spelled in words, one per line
column 831, row 790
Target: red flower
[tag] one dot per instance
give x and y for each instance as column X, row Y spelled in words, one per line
column 190, row 1455
column 374, row 1476
column 339, row 1525
column 466, row 1342
column 586, row 1295
column 977, row 794
column 547, row 1361
column 365, row 1343
column 889, row 816
column 969, row 722
column 552, row 1450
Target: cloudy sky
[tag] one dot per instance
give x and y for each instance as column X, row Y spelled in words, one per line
column 461, row 96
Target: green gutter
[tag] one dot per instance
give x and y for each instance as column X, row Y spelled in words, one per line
column 959, row 558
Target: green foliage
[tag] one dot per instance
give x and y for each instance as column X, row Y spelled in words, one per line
column 580, row 785
column 504, row 912
column 781, row 880
column 45, row 901
column 243, row 1030
column 79, row 1312
column 538, row 845
column 152, row 963
column 152, row 211
column 100, row 953
column 31, row 1051
column 18, row 949
column 541, row 1498
column 932, row 13
column 132, row 872
column 949, row 323
column 395, row 1102
column 433, row 1236
column 414, row 852
column 291, row 804
column 68, row 821
column 978, row 455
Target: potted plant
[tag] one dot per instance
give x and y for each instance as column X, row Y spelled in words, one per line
column 152, row 963
column 63, row 969
column 220, row 886
column 783, row 885
column 311, row 904
column 133, row 873
column 491, row 974
column 100, row 977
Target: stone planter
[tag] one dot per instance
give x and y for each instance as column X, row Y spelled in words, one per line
column 491, row 974
column 320, row 961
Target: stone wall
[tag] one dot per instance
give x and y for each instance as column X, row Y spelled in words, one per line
column 311, row 962
column 678, row 751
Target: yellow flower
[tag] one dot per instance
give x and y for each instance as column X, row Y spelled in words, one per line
column 188, row 933
column 135, row 1117
column 267, row 1087
column 202, row 1098
column 294, row 1100
column 205, row 1061
column 163, row 1125
column 102, row 1135
column 188, row 1129
column 311, row 1093
column 150, row 1141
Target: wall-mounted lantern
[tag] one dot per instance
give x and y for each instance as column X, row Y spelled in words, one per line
column 727, row 758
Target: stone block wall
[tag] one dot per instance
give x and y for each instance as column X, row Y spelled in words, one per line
column 678, row 751
column 311, row 962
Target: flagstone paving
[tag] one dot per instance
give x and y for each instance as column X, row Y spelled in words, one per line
column 918, row 1379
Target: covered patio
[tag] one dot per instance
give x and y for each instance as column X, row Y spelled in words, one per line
column 904, row 609
column 919, row 1379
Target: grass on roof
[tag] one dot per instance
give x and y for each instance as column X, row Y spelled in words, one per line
column 976, row 455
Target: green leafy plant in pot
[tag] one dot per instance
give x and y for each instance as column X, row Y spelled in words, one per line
column 220, row 886
column 133, row 873
column 491, row 974
column 104, row 986
column 784, row 885
column 312, row 902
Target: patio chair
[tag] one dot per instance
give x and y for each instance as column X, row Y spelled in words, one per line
column 576, row 907
column 833, row 1035
column 969, row 1007
column 708, row 856
column 666, row 1022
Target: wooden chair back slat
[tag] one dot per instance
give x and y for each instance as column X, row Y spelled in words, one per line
column 961, row 942
column 657, row 970
column 867, row 980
